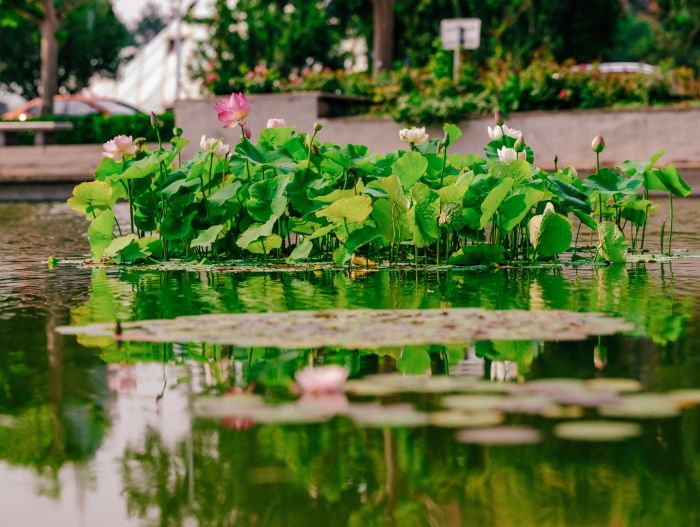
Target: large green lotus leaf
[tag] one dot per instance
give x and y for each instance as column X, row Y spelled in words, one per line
column 452, row 132
column 322, row 231
column 177, row 226
column 177, row 186
column 100, row 234
column 301, row 252
column 360, row 237
column 340, row 193
column 672, row 181
column 423, row 216
column 612, row 243
column 265, row 245
column 271, row 138
column 586, row 219
column 255, row 231
column 609, row 182
column 329, row 166
column 207, row 236
column 92, row 197
column 267, row 198
column 516, row 206
column 107, row 169
column 550, row 233
column 493, row 200
column 391, row 186
column 146, row 167
column 355, row 209
column 517, row 170
column 117, row 244
column 250, row 152
column 481, row 254
column 341, row 256
column 569, row 195
column 410, row 168
column 637, row 168
column 392, row 220
column 225, row 194
column 453, row 193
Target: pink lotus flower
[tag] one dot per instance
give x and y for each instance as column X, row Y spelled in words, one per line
column 120, row 146
column 321, row 379
column 276, row 123
column 233, row 110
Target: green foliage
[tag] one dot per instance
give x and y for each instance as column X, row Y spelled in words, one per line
column 288, row 200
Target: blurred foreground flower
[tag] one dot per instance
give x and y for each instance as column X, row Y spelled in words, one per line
column 276, row 123
column 120, row 146
column 321, row 379
column 598, row 144
column 233, row 110
column 413, row 136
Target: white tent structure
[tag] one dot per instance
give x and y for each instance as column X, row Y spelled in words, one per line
column 158, row 75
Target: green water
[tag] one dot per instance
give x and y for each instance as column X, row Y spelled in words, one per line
column 95, row 434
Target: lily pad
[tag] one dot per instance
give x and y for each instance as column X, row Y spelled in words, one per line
column 595, row 431
column 615, row 385
column 391, row 416
column 362, row 328
column 474, row 403
column 454, row 419
column 642, row 406
column 502, row 435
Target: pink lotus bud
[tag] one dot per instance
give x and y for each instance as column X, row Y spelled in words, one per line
column 276, row 123
column 498, row 118
column 155, row 122
column 246, row 131
column 233, row 110
column 598, row 144
column 519, row 144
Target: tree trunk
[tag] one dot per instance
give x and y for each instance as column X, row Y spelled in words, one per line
column 383, row 46
column 49, row 57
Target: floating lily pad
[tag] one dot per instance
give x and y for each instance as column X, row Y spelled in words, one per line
column 563, row 412
column 526, row 404
column 685, row 398
column 455, row 419
column 595, row 431
column 615, row 385
column 391, row 416
column 642, row 406
column 502, row 435
column 475, row 402
column 227, row 406
column 363, row 328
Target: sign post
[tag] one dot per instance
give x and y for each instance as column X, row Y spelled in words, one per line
column 457, row 34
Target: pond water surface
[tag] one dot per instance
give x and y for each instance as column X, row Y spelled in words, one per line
column 92, row 433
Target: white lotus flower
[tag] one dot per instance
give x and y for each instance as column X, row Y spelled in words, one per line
column 218, row 147
column 413, row 136
column 495, row 132
column 276, row 123
column 506, row 155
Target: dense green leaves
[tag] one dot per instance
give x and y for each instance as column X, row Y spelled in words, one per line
column 550, row 233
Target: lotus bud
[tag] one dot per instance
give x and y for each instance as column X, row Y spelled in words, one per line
column 318, row 127
column 498, row 118
column 246, row 131
column 177, row 132
column 598, row 144
column 519, row 144
column 155, row 122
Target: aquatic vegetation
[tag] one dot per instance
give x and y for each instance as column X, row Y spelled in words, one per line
column 291, row 197
column 361, row 328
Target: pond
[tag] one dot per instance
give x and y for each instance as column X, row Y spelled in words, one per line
column 96, row 433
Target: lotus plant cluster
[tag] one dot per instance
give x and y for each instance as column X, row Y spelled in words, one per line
column 293, row 197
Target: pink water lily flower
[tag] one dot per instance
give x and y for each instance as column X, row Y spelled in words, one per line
column 321, row 379
column 120, row 146
column 233, row 110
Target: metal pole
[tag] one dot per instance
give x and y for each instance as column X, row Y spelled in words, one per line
column 456, row 65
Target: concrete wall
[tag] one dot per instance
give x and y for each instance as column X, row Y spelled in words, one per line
column 629, row 134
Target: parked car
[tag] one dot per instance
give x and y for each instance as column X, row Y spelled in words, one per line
column 72, row 105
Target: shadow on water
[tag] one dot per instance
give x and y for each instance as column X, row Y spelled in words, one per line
column 95, row 433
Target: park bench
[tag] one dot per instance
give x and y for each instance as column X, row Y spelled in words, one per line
column 44, row 131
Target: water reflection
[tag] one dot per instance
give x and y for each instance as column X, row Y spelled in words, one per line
column 103, row 435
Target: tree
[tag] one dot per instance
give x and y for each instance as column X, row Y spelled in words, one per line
column 88, row 41
column 383, row 42
column 151, row 23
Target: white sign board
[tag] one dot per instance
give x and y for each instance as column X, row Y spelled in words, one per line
column 464, row 33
